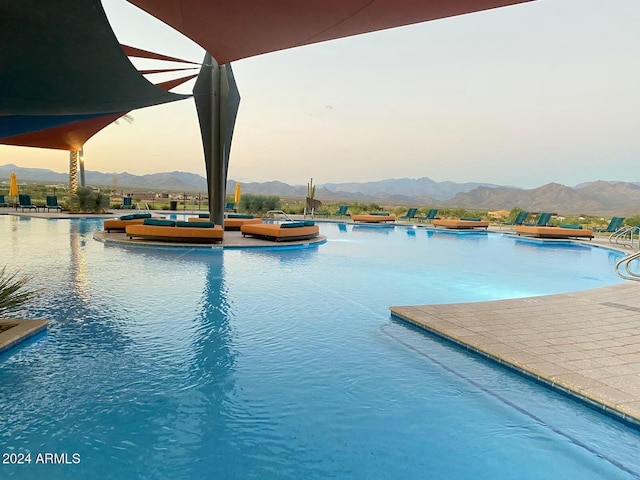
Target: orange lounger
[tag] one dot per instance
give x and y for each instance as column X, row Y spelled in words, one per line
column 179, row 232
column 373, row 218
column 119, row 224
column 281, row 232
column 460, row 224
column 554, row 232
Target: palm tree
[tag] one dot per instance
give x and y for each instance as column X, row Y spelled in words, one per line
column 12, row 290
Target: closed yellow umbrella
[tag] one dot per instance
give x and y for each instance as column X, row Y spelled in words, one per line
column 13, row 185
column 236, row 198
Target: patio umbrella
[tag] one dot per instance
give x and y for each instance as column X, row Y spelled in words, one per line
column 236, row 198
column 13, row 186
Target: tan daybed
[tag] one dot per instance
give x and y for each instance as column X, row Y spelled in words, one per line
column 460, row 224
column 168, row 230
column 374, row 217
column 231, row 222
column 119, row 224
column 554, row 232
column 282, row 232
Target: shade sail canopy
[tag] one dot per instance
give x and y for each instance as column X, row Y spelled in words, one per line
column 233, row 29
column 62, row 58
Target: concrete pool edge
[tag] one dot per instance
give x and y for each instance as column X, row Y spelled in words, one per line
column 21, row 331
column 594, row 357
column 232, row 240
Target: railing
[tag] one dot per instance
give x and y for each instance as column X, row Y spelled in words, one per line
column 273, row 213
column 626, row 236
column 628, row 274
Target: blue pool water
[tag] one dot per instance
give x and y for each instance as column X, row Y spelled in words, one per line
column 286, row 364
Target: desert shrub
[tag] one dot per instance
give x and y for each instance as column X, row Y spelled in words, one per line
column 88, row 201
column 250, row 203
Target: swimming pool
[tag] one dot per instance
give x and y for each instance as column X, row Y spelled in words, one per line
column 286, row 364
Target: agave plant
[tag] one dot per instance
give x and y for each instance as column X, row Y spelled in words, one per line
column 13, row 291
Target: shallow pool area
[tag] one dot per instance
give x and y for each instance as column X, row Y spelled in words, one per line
column 285, row 363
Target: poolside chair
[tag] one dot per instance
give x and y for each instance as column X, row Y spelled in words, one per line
column 521, row 217
column 24, row 201
column 127, row 202
column 430, row 216
column 230, row 207
column 543, row 220
column 52, row 203
column 411, row 213
column 3, row 203
column 614, row 224
column 342, row 211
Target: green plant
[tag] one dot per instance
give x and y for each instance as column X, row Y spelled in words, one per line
column 259, row 203
column 311, row 189
column 12, row 290
column 87, row 201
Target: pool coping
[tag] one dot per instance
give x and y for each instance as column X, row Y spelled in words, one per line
column 585, row 344
column 23, row 330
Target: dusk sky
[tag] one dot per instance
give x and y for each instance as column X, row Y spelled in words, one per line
column 547, row 91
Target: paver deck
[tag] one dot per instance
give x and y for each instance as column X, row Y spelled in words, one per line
column 585, row 343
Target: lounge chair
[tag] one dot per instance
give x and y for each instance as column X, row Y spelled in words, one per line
column 543, row 220
column 120, row 224
column 521, row 217
column 3, row 202
column 342, row 211
column 563, row 231
column 52, row 203
column 171, row 231
column 411, row 213
column 464, row 223
column 431, row 215
column 127, row 202
column 230, row 207
column 279, row 232
column 24, row 201
column 614, row 224
column 374, row 217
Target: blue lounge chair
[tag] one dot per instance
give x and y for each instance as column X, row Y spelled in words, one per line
column 430, row 216
column 230, row 207
column 24, row 201
column 411, row 213
column 543, row 220
column 3, row 203
column 342, row 211
column 127, row 202
column 614, row 224
column 521, row 217
column 52, row 203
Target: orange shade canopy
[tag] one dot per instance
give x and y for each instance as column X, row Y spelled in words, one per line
column 233, row 29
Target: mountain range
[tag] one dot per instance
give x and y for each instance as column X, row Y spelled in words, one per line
column 590, row 198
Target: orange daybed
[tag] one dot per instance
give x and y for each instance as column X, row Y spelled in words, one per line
column 120, row 223
column 280, row 232
column 374, row 217
column 554, row 232
column 460, row 224
column 168, row 230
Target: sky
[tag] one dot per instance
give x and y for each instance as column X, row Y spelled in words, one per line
column 547, row 91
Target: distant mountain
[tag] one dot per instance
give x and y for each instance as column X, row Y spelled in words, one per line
column 596, row 198
column 591, row 198
column 408, row 187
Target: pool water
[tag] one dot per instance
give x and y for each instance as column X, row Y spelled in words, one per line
column 286, row 364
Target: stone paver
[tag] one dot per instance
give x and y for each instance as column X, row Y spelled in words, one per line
column 584, row 343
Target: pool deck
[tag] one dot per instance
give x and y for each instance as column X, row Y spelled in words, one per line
column 586, row 344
